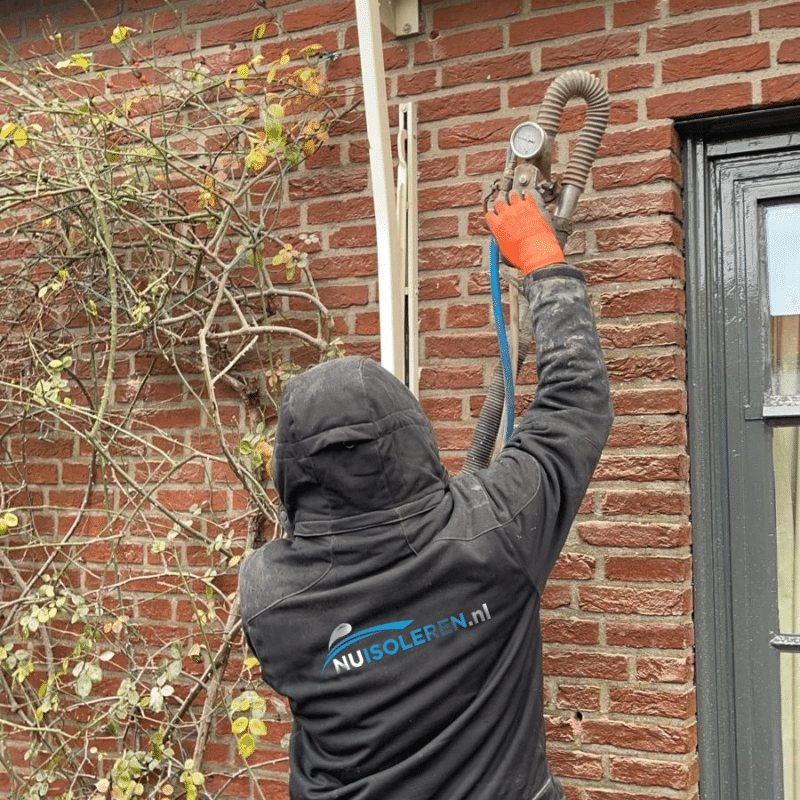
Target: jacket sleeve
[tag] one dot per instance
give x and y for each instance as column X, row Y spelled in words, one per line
column 539, row 479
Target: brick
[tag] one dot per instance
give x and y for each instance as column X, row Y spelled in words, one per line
column 725, row 97
column 626, row 600
column 581, row 664
column 438, row 169
column 417, row 82
column 343, row 296
column 632, row 237
column 513, row 65
column 575, row 764
column 703, row 31
column 467, row 315
column 643, row 502
column 635, row 12
column 650, row 636
column 570, row 631
column 449, row 197
column 479, row 101
column 649, row 738
column 603, row 533
column 451, row 257
column 318, row 16
column 781, row 90
column 330, row 210
column 458, row 45
column 474, row 12
column 353, row 236
column 664, row 670
column 574, row 566
column 686, row 6
column 442, row 408
column 648, row 568
column 556, row 596
column 632, row 268
column 638, row 702
column 438, row 228
column 213, row 10
column 236, row 31
column 477, row 133
column 559, row 729
column 644, row 334
column 785, row 16
column 650, row 401
column 439, row 287
column 475, row 345
column 789, row 51
column 663, row 367
column 627, row 78
column 446, row 377
column 355, row 266
column 367, row 324
column 555, row 26
column 454, row 438
column 716, row 62
column 580, row 698
column 591, row 51
column 671, row 774
column 635, row 173
column 319, row 185
column 647, row 139
column 643, row 301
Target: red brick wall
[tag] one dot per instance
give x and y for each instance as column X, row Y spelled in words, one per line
column 618, row 610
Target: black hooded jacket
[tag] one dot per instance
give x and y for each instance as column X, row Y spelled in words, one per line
column 401, row 618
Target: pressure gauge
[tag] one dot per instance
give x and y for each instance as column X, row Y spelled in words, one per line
column 528, row 140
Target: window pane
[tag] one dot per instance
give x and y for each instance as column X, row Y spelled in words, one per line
column 786, row 463
column 783, row 266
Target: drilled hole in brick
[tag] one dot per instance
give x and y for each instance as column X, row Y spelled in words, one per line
column 578, row 716
column 434, row 34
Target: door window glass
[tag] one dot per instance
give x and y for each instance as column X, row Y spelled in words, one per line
column 783, row 264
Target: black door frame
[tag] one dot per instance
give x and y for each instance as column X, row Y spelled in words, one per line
column 732, row 720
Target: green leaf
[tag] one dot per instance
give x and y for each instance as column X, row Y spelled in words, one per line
column 259, row 31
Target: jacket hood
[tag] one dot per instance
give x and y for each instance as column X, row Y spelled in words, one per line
column 353, row 449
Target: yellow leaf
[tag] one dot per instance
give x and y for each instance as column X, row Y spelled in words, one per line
column 257, row 727
column 239, row 725
column 246, row 746
column 275, row 110
column 250, row 662
column 242, row 70
column 259, row 31
column 120, row 34
column 81, row 60
column 271, row 74
column 20, row 137
column 284, row 59
column 7, row 130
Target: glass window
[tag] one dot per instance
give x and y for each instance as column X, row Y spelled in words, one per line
column 783, row 265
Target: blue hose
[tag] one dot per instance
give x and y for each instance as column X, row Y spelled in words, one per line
column 502, row 339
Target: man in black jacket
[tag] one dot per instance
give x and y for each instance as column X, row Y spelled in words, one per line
column 401, row 616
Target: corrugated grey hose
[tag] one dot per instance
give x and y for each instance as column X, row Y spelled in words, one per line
column 575, row 83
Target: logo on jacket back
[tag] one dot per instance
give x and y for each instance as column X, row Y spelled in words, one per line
column 401, row 636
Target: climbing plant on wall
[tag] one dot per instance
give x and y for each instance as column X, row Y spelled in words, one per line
column 149, row 313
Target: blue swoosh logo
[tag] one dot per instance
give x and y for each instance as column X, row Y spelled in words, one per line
column 356, row 637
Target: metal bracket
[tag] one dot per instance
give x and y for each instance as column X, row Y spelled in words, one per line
column 401, row 17
column 786, row 643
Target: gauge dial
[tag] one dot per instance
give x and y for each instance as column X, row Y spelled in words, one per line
column 527, row 140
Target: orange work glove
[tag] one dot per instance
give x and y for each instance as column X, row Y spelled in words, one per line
column 524, row 233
